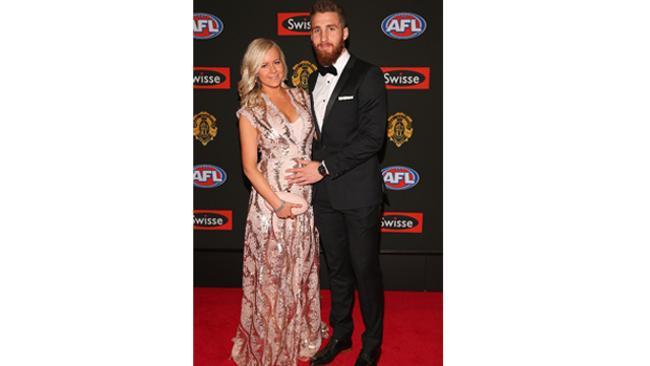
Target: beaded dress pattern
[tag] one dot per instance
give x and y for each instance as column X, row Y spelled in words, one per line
column 280, row 312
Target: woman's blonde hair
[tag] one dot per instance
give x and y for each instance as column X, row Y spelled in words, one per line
column 249, row 87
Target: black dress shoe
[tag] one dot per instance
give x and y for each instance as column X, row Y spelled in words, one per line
column 330, row 351
column 367, row 358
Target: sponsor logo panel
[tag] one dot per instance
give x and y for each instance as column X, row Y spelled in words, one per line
column 400, row 128
column 400, row 178
column 405, row 78
column 402, row 222
column 403, row 26
column 207, row 26
column 209, row 176
column 301, row 72
column 211, row 77
column 212, row 220
column 205, row 127
column 294, row 24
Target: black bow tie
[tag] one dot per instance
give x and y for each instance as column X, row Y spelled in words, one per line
column 322, row 70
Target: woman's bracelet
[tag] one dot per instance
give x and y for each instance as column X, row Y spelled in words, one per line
column 280, row 207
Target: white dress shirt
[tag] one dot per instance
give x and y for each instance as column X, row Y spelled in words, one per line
column 325, row 86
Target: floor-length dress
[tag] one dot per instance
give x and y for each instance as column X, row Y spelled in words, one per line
column 280, row 311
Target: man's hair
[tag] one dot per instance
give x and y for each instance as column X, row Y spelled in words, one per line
column 324, row 6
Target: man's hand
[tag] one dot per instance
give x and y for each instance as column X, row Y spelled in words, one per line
column 307, row 174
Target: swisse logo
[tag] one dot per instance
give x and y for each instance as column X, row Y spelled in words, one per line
column 294, row 24
column 403, row 26
column 406, row 77
column 212, row 220
column 207, row 26
column 209, row 176
column 211, row 77
column 401, row 222
column 399, row 178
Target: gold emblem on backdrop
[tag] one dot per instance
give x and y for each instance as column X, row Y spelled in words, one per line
column 400, row 128
column 205, row 127
column 301, row 72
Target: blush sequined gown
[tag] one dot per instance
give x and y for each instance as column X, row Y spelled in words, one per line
column 280, row 312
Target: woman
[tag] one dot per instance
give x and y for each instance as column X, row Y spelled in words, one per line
column 280, row 315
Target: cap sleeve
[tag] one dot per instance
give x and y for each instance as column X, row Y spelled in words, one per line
column 243, row 111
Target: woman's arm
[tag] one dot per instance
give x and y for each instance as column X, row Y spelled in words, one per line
column 248, row 135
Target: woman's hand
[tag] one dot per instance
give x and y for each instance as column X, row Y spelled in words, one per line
column 284, row 210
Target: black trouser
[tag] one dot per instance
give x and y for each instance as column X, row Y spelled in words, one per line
column 350, row 240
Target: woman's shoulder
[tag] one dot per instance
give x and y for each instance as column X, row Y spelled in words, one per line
column 252, row 113
column 256, row 109
column 243, row 109
column 300, row 93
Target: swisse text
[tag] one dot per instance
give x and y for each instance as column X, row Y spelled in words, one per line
column 210, row 221
column 208, row 79
column 401, row 79
column 397, row 223
column 299, row 24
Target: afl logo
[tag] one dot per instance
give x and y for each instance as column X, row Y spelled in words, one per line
column 399, row 178
column 207, row 26
column 403, row 25
column 209, row 176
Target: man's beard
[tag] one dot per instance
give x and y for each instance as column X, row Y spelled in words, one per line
column 327, row 59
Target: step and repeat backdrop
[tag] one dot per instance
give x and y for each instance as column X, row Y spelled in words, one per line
column 403, row 38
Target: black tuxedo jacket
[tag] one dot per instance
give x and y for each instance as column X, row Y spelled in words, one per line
column 353, row 133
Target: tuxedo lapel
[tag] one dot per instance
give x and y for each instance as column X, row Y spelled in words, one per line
column 345, row 75
column 312, row 84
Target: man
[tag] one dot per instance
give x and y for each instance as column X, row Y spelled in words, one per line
column 349, row 104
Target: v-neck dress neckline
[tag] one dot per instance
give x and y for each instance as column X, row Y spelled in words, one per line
column 293, row 103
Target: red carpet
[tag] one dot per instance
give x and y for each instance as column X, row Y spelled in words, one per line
column 412, row 327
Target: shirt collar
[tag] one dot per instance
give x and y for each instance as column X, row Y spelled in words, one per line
column 342, row 61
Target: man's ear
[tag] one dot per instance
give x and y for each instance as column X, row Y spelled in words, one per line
column 346, row 33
